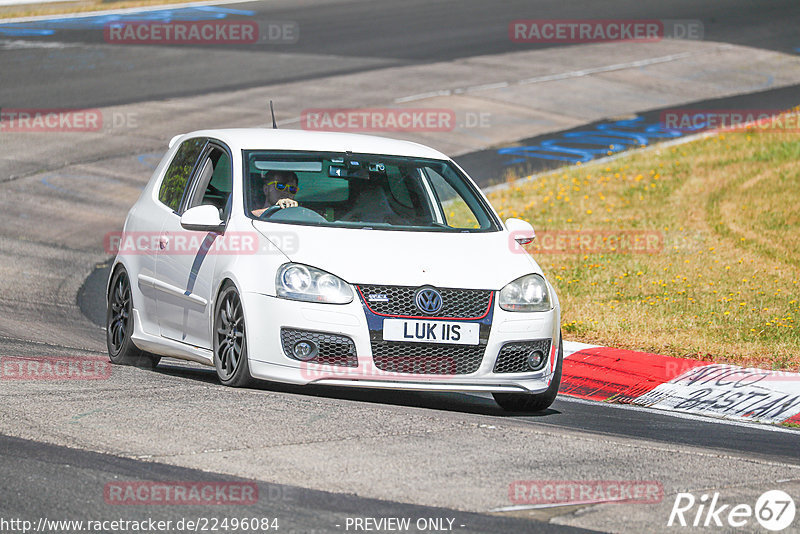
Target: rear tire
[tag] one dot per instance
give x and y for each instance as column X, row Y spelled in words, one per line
column 537, row 402
column 230, row 340
column 119, row 326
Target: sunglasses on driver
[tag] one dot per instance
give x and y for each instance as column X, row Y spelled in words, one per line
column 281, row 186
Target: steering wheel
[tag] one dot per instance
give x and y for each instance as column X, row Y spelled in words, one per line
column 293, row 214
column 269, row 212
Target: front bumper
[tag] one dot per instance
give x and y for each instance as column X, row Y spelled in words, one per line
column 265, row 317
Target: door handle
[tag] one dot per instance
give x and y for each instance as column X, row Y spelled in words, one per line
column 163, row 241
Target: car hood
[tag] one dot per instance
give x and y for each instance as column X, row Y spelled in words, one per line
column 463, row 260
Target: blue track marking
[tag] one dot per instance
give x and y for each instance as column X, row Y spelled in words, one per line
column 46, row 181
column 603, row 139
column 151, row 160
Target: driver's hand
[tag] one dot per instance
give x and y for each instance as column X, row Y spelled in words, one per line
column 287, row 203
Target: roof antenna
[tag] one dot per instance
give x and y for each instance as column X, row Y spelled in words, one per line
column 272, row 110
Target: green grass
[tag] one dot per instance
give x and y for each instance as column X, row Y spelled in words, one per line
column 723, row 288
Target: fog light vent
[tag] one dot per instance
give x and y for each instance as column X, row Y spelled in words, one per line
column 318, row 347
column 522, row 356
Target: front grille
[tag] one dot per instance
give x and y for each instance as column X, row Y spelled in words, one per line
column 427, row 358
column 456, row 303
column 513, row 357
column 332, row 349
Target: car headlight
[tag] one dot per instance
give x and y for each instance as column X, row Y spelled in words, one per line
column 301, row 282
column 526, row 294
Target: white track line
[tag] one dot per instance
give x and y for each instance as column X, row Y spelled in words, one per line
column 519, row 507
column 571, row 347
column 552, row 77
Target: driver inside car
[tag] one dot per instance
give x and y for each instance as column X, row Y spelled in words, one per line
column 280, row 187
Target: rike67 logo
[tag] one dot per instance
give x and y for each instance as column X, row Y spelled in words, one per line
column 774, row 510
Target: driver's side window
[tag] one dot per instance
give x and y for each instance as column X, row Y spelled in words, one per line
column 214, row 182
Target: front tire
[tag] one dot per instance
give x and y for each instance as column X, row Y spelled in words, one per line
column 526, row 402
column 119, row 326
column 230, row 341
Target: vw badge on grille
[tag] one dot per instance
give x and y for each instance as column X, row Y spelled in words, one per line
column 428, row 300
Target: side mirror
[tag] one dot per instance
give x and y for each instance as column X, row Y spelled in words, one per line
column 202, row 219
column 521, row 231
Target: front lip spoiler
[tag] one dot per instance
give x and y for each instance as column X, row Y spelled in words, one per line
column 427, row 386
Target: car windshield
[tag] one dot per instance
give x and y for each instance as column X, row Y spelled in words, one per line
column 363, row 191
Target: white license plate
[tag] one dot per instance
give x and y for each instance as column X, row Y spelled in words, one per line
column 421, row 331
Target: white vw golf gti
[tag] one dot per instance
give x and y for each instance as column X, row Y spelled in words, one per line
column 334, row 259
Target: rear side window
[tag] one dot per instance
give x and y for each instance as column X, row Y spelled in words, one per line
column 179, row 171
column 455, row 210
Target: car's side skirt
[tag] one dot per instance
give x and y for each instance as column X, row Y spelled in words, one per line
column 168, row 347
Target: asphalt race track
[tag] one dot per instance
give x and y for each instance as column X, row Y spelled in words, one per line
column 59, row 471
column 337, row 38
column 322, row 456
